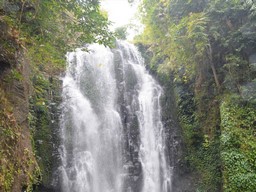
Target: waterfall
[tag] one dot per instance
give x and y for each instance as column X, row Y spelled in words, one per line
column 111, row 130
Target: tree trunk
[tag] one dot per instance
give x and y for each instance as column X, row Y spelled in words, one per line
column 213, row 67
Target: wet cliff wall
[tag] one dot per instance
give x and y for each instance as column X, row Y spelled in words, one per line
column 29, row 118
column 19, row 168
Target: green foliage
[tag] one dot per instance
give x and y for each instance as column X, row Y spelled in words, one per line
column 238, row 144
column 14, row 75
column 183, row 44
column 41, row 88
column 54, row 27
column 201, row 139
column 75, row 22
column 10, row 136
column 43, row 122
column 237, row 72
column 196, row 37
column 49, row 28
column 121, row 32
column 46, row 58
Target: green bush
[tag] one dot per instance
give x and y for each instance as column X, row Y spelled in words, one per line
column 238, row 144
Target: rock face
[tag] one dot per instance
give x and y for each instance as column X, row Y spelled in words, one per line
column 182, row 180
column 127, row 84
column 16, row 156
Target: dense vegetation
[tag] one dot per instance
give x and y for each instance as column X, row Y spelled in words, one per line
column 34, row 38
column 207, row 48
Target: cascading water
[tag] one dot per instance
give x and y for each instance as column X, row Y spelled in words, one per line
column 111, row 129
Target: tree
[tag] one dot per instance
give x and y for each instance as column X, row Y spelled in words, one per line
column 121, row 32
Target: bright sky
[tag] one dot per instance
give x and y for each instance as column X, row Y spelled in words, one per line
column 120, row 12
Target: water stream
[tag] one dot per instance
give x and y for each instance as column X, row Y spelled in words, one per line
column 111, row 130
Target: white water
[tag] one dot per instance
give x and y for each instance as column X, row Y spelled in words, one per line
column 111, row 124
